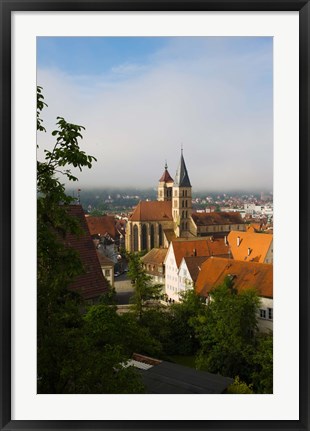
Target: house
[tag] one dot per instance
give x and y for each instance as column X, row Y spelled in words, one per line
column 251, row 246
column 92, row 284
column 181, row 248
column 162, row 377
column 217, row 223
column 189, row 269
column 153, row 263
column 244, row 275
column 107, row 267
column 104, row 233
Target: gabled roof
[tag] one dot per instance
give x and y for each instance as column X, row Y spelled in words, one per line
column 104, row 260
column 258, row 243
column 152, row 211
column 101, row 225
column 166, row 178
column 245, row 275
column 156, row 256
column 217, row 218
column 92, row 284
column 181, row 177
column 193, row 264
column 207, row 247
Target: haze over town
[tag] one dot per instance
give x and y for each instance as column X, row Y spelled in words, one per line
column 140, row 99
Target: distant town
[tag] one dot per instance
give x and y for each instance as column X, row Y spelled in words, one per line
column 256, row 207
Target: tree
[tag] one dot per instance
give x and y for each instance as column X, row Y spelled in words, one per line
column 144, row 289
column 239, row 387
column 227, row 332
column 262, row 375
column 183, row 337
column 69, row 358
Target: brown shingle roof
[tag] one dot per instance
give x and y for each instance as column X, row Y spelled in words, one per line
column 217, row 218
column 166, row 178
column 91, row 284
column 246, row 275
column 101, row 225
column 156, row 256
column 258, row 243
column 193, row 264
column 205, row 247
column 152, row 211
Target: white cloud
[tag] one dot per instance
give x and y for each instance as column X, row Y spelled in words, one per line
column 220, row 109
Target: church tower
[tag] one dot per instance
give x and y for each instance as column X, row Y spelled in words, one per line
column 164, row 190
column 182, row 200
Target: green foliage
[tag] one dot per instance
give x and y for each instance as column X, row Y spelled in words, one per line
column 183, row 337
column 227, row 332
column 239, row 387
column 144, row 289
column 71, row 356
column 263, row 362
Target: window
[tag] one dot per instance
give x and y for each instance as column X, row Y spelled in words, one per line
column 262, row 314
column 107, row 273
column 270, row 313
column 135, row 238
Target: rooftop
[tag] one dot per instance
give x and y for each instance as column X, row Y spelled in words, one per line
column 245, row 275
column 91, row 284
column 152, row 211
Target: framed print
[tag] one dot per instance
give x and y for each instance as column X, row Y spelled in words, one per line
column 171, row 70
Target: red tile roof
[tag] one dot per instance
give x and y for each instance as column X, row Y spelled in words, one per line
column 101, row 225
column 166, row 178
column 92, row 284
column 245, row 275
column 217, row 218
column 203, row 247
column 258, row 243
column 152, row 211
column 155, row 256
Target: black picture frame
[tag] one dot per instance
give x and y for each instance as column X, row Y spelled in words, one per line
column 7, row 7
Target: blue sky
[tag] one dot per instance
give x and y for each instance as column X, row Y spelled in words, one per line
column 140, row 98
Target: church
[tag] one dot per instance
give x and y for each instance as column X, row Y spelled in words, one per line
column 154, row 224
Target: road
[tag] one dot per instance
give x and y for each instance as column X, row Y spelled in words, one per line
column 123, row 288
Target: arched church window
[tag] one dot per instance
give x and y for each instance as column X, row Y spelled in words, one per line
column 135, row 238
column 160, row 235
column 144, row 237
column 152, row 236
column 186, row 204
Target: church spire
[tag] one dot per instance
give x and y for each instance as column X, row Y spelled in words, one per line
column 181, row 177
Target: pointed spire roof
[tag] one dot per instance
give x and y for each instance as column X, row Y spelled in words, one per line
column 166, row 178
column 181, row 177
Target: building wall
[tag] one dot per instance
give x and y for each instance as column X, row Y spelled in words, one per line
column 182, row 209
column 145, row 239
column 171, row 276
column 265, row 316
column 108, row 272
column 269, row 255
column 207, row 230
column 185, row 280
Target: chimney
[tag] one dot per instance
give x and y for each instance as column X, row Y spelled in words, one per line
column 238, row 241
